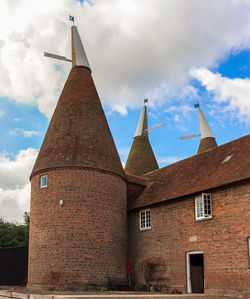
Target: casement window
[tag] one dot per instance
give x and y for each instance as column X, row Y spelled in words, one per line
column 145, row 219
column 203, row 206
column 43, row 181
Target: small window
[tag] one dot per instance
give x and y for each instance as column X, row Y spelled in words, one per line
column 145, row 219
column 203, row 206
column 43, row 181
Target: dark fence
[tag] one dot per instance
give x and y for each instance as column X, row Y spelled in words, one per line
column 13, row 265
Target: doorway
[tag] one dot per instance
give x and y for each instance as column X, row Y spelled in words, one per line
column 195, row 272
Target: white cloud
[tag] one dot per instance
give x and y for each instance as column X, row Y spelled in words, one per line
column 16, row 172
column 120, row 108
column 169, row 159
column 14, row 184
column 25, row 133
column 26, row 75
column 184, row 109
column 233, row 93
column 177, row 118
column 1, row 113
column 182, row 115
column 14, row 202
column 136, row 49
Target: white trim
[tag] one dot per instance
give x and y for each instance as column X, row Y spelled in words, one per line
column 201, row 200
column 189, row 287
column 248, row 244
column 198, row 197
column 43, row 176
column 146, row 227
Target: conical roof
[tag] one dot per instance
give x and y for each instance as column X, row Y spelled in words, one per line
column 78, row 134
column 207, row 137
column 141, row 158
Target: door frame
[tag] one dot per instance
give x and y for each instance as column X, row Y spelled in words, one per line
column 189, row 286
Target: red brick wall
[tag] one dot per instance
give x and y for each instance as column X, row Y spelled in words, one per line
column 83, row 242
column 222, row 238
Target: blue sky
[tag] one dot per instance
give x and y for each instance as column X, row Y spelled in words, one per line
column 174, row 54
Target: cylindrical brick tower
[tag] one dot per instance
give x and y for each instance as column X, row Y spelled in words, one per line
column 78, row 192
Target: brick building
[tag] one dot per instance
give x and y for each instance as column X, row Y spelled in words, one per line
column 185, row 227
column 189, row 223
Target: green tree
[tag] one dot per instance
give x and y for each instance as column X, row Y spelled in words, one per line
column 26, row 218
column 12, row 234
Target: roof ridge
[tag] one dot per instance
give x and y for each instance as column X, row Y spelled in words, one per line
column 218, row 167
column 197, row 155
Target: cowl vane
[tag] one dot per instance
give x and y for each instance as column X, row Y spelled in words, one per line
column 79, row 57
column 141, row 158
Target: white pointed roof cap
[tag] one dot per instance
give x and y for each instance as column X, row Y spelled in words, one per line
column 79, row 57
column 204, row 126
column 142, row 124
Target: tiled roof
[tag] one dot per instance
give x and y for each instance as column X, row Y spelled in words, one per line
column 216, row 167
column 137, row 180
column 135, row 187
column 78, row 134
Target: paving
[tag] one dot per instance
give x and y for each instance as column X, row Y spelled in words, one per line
column 13, row 294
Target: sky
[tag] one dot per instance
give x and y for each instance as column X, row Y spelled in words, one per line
column 175, row 53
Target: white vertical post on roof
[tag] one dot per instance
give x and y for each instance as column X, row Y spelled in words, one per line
column 142, row 127
column 204, row 126
column 79, row 57
column 142, row 124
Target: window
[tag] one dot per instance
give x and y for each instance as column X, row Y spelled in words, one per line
column 43, row 181
column 203, row 206
column 145, row 219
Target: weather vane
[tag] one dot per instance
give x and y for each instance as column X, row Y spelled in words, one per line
column 156, row 126
column 197, row 105
column 55, row 56
column 71, row 18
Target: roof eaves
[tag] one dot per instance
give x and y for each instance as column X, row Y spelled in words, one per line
column 182, row 197
column 191, row 157
column 139, row 180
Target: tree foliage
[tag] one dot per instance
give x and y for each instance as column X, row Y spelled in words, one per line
column 12, row 234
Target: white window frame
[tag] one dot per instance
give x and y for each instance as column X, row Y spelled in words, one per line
column 248, row 245
column 145, row 213
column 200, row 206
column 41, row 181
